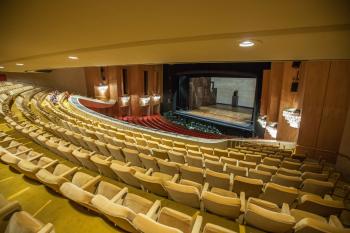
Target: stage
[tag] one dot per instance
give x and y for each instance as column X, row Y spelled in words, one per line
column 221, row 114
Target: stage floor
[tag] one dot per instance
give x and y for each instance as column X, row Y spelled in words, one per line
column 224, row 113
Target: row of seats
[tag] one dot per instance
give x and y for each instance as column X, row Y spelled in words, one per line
column 108, row 199
column 131, row 212
column 250, row 205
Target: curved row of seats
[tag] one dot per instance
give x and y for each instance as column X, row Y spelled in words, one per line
column 252, row 207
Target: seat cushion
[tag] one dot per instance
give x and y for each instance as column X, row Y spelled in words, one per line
column 176, row 219
column 191, row 183
column 112, row 209
column 47, row 177
column 137, row 203
column 300, row 214
column 75, row 193
column 148, row 225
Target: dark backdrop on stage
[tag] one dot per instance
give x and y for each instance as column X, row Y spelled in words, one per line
column 192, row 90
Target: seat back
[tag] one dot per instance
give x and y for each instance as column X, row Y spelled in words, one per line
column 185, row 194
column 262, row 175
column 206, row 150
column 132, row 156
column 224, row 206
column 267, row 168
column 318, row 205
column 194, row 153
column 220, row 153
column 194, row 161
column 103, row 165
column 84, row 159
column 268, row 220
column 279, row 194
column 217, row 179
column 149, row 162
column 217, row 166
column 102, row 148
column 170, row 168
column 116, row 152
column 80, row 178
column 152, row 184
column 160, row 154
column 176, row 219
column 290, row 165
column 251, row 187
column 147, row 225
column 271, row 161
column 289, row 181
column 236, row 170
column 192, row 173
column 126, row 174
column 317, row 187
column 176, row 157
column 236, row 155
column 288, row 172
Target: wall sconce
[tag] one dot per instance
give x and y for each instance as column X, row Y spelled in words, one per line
column 156, row 98
column 262, row 121
column 272, row 129
column 125, row 100
column 144, row 100
column 102, row 88
column 292, row 116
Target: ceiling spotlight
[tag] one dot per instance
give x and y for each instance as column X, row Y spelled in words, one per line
column 2, row 67
column 73, row 57
column 246, row 43
column 19, row 64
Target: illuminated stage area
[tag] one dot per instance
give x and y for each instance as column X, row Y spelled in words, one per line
column 223, row 113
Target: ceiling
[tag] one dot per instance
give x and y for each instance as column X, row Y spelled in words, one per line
column 41, row 34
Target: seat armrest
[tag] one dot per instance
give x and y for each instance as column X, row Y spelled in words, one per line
column 128, row 164
column 243, row 202
column 120, row 195
column 335, row 221
column 231, row 181
column 35, row 157
column 285, row 208
column 205, row 188
column 109, row 158
column 66, row 144
column 48, row 228
column 149, row 172
column 50, row 164
column 10, row 147
column 153, row 211
column 91, row 183
column 23, row 152
column 327, row 197
column 175, row 178
column 197, row 224
column 92, row 153
column 69, row 172
column 10, row 208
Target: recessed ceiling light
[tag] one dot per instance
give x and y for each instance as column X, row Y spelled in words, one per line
column 73, row 57
column 19, row 64
column 2, row 67
column 246, row 43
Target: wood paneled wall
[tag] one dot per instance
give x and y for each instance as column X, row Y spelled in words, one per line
column 135, row 85
column 265, row 93
column 325, row 105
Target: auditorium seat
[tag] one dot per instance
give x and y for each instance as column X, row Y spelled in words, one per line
column 23, row 222
column 218, row 179
column 177, row 157
column 84, row 158
column 212, row 228
column 206, row 150
column 149, row 161
column 308, row 225
column 251, row 187
column 289, row 172
column 103, row 164
column 279, row 194
column 229, row 207
column 236, row 170
column 257, row 174
column 170, row 168
column 195, row 161
column 289, row 181
column 123, row 208
column 102, row 148
column 160, row 154
column 192, row 173
column 267, row 217
column 184, row 193
column 271, row 161
column 216, row 166
column 67, row 153
column 55, row 177
column 126, row 174
column 155, row 182
column 168, row 221
column 7, row 208
column 116, row 152
column 132, row 156
column 320, row 206
column 317, row 187
column 267, row 168
column 29, row 168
